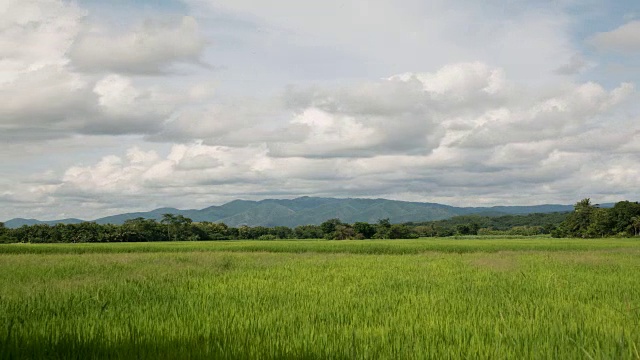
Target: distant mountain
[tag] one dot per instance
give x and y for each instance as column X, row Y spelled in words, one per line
column 154, row 214
column 16, row 223
column 315, row 210
column 518, row 210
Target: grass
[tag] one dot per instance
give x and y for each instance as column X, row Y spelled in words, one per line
column 379, row 247
column 427, row 298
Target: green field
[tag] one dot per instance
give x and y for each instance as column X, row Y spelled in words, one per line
column 384, row 299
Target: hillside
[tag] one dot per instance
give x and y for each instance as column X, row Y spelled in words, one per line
column 314, row 210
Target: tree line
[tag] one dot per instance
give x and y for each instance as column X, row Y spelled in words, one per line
column 521, row 225
column 180, row 228
column 586, row 221
column 591, row 221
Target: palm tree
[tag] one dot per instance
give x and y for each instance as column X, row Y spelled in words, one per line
column 635, row 223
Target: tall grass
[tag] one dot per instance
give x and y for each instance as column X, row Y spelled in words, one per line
column 256, row 300
column 416, row 246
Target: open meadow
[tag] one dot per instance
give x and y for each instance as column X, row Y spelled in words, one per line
column 479, row 298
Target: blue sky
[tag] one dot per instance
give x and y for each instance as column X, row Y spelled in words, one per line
column 120, row 106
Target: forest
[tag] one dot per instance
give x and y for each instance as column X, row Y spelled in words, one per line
column 586, row 221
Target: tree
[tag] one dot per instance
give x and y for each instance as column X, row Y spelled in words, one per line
column 308, row 232
column 382, row 229
column 398, row 231
column 344, row 232
column 621, row 215
column 600, row 224
column 169, row 220
column 244, row 232
column 577, row 224
column 177, row 225
column 5, row 235
column 212, row 231
column 425, row 230
column 365, row 229
column 281, row 232
column 141, row 230
column 588, row 220
column 329, row 227
column 635, row 224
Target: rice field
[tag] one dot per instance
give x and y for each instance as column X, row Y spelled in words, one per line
column 386, row 299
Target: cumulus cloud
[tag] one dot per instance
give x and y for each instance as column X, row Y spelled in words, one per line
column 402, row 113
column 148, row 49
column 625, row 38
column 460, row 82
column 36, row 33
column 195, row 174
column 52, row 102
column 43, row 97
column 123, row 108
column 185, row 166
column 465, row 128
column 465, row 105
column 568, row 113
column 476, row 112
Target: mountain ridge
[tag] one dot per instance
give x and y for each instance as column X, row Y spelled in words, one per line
column 313, row 210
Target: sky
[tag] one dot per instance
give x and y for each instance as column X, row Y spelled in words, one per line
column 117, row 106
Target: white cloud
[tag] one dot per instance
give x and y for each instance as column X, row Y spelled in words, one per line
column 486, row 106
column 42, row 97
column 569, row 112
column 468, row 105
column 328, row 135
column 235, row 122
column 122, row 108
column 185, row 166
column 149, row 49
column 396, row 36
column 52, row 102
column 625, row 38
column 460, row 81
column 35, row 34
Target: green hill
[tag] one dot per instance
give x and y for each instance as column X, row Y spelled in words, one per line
column 314, row 210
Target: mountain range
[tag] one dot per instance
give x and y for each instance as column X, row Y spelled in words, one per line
column 313, row 210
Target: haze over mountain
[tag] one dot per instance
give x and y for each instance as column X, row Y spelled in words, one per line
column 313, row 210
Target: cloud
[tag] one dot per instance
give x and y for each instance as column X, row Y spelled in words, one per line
column 123, row 108
column 43, row 97
column 453, row 102
column 151, row 48
column 625, row 38
column 570, row 112
column 233, row 122
column 416, row 34
column 576, row 65
column 35, row 34
column 185, row 166
column 52, row 102
column 399, row 114
column 463, row 129
column 464, row 105
column 47, row 97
